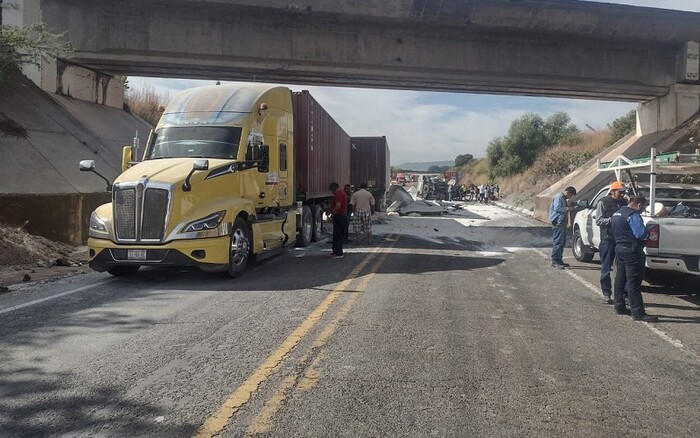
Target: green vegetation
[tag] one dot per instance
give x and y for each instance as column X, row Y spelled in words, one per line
column 29, row 45
column 623, row 126
column 438, row 169
column 535, row 153
column 463, row 159
column 526, row 138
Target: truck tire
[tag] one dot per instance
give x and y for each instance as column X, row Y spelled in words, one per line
column 122, row 270
column 581, row 251
column 317, row 217
column 306, row 231
column 240, row 248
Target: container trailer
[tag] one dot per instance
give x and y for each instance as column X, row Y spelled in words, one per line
column 369, row 163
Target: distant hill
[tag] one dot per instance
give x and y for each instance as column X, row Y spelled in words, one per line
column 423, row 167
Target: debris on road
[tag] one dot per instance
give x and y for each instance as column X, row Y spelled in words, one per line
column 22, row 253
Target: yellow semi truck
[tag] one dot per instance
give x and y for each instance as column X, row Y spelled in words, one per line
column 231, row 173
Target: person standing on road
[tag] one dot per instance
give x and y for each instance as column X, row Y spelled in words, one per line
column 362, row 202
column 339, row 212
column 559, row 218
column 629, row 233
column 604, row 211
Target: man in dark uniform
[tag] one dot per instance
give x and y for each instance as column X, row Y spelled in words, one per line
column 629, row 233
column 604, row 211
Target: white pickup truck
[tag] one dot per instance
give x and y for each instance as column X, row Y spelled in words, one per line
column 674, row 241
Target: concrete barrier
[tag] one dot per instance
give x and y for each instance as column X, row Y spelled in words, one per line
column 61, row 217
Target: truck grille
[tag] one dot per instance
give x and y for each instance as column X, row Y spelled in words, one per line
column 140, row 212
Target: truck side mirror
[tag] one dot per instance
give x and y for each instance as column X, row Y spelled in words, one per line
column 264, row 165
column 89, row 166
column 127, row 157
column 197, row 165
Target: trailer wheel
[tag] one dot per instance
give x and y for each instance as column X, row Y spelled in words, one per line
column 581, row 252
column 239, row 252
column 317, row 217
column 122, row 270
column 306, row 231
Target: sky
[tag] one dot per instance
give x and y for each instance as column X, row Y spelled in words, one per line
column 438, row 126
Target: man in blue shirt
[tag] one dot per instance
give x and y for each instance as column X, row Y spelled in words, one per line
column 629, row 232
column 559, row 218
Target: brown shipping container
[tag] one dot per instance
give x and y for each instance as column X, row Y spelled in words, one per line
column 369, row 162
column 322, row 148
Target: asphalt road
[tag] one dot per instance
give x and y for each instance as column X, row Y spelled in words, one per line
column 450, row 326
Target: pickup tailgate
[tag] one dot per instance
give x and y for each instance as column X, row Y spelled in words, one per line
column 678, row 236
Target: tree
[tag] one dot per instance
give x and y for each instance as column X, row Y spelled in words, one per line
column 623, row 126
column 29, row 45
column 463, row 159
column 434, row 169
column 560, row 130
column 527, row 137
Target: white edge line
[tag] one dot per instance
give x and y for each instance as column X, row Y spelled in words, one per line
column 656, row 331
column 52, row 297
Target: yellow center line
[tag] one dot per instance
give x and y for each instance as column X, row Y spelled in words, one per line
column 308, row 377
column 219, row 419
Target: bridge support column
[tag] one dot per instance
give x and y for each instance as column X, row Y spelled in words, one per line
column 669, row 111
column 61, row 77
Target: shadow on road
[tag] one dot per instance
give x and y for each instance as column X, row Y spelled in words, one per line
column 35, row 403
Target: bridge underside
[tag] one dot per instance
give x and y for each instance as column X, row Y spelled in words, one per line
column 383, row 44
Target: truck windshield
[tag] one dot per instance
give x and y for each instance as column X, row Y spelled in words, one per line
column 195, row 141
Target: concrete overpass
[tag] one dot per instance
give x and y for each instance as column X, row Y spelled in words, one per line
column 530, row 47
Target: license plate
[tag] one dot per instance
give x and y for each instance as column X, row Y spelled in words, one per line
column 136, row 254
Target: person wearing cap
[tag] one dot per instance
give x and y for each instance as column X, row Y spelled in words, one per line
column 629, row 232
column 559, row 218
column 604, row 211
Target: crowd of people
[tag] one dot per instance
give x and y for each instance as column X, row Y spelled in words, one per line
column 622, row 234
column 482, row 193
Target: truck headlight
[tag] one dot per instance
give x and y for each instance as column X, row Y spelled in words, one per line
column 208, row 223
column 98, row 227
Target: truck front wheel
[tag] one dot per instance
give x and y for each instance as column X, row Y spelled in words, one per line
column 239, row 253
column 581, row 252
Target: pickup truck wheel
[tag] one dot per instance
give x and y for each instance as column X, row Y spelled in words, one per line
column 120, row 271
column 239, row 252
column 581, row 253
column 317, row 216
column 306, row 231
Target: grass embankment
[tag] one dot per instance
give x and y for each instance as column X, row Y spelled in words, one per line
column 551, row 165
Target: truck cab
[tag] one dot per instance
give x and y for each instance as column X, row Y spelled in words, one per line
column 213, row 188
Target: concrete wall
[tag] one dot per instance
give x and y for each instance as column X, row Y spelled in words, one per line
column 39, row 178
column 61, row 217
column 667, row 112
